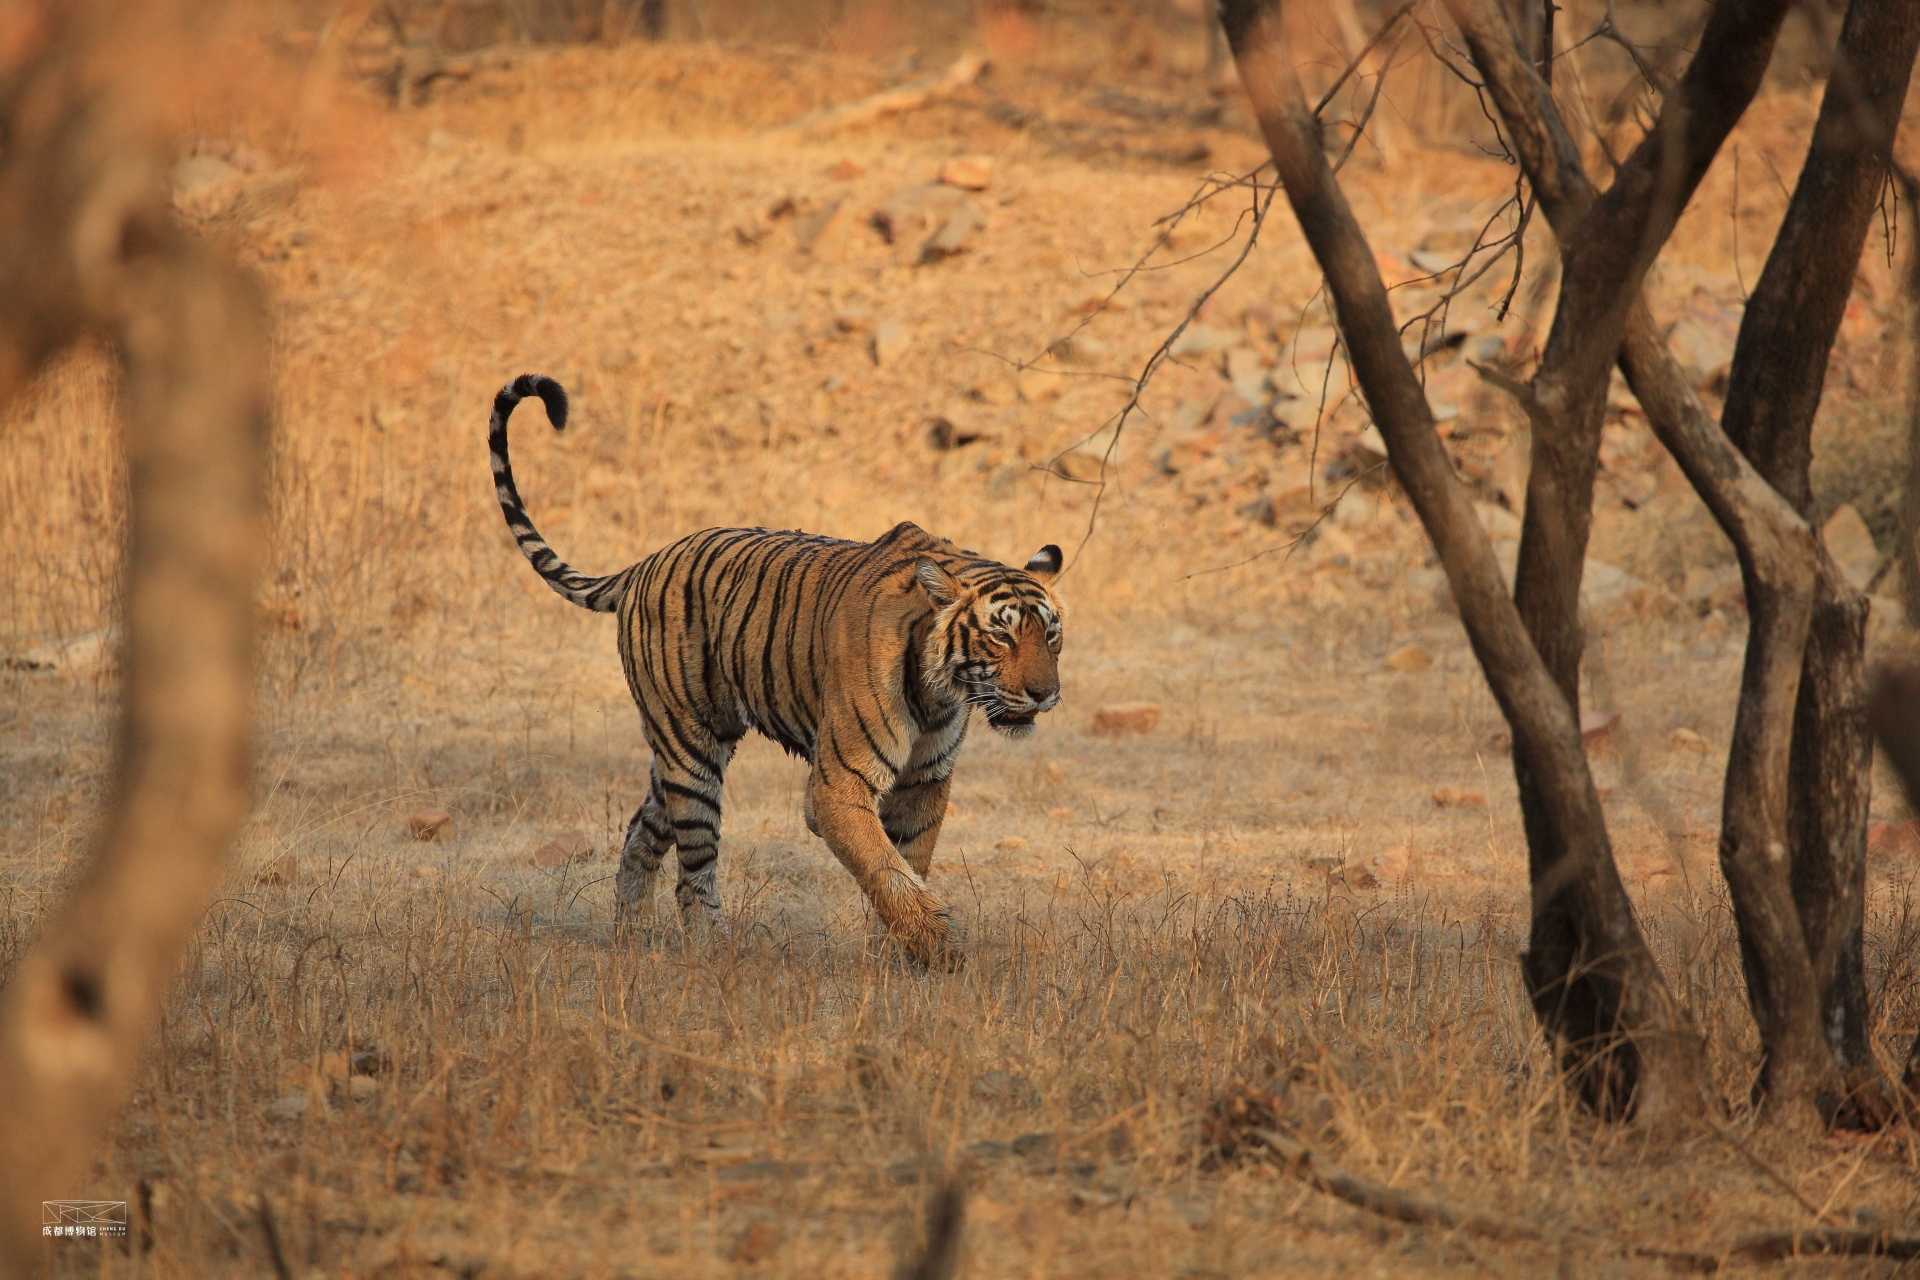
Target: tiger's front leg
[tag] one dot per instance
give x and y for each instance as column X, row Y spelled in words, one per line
column 911, row 815
column 913, row 811
column 844, row 808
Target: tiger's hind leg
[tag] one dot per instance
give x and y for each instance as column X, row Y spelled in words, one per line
column 649, row 836
column 692, row 797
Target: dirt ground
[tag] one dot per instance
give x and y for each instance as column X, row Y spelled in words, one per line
column 406, row 1058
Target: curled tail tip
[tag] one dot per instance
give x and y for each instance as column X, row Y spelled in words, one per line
column 551, row 394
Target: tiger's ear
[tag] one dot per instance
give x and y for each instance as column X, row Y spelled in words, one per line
column 1046, row 563
column 936, row 582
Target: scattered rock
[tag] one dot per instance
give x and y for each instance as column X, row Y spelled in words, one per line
column 363, row 1088
column 1499, row 522
column 1596, row 727
column 913, row 211
column 811, row 230
column 1035, row 1146
column 1409, row 657
column 78, row 656
column 1637, row 490
column 954, row 232
column 890, row 342
column 570, row 846
column 1705, row 590
column 369, row 1057
column 845, row 170
column 1391, row 866
column 1247, row 370
column 1702, row 340
column 1894, row 837
column 288, row 1106
column 756, row 1244
column 1082, row 464
column 1458, row 798
column 1608, row 593
column 281, row 871
column 752, row 227
column 1199, row 339
column 1371, row 446
column 1191, row 1211
column 853, row 320
column 971, row 173
column 1188, row 451
column 205, row 184
column 1122, row 718
column 1298, row 414
column 1651, row 867
column 1041, row 383
column 427, row 824
column 1005, row 1089
column 1081, row 349
column 958, row 426
column 1356, row 509
column 1686, row 740
column 1012, row 844
column 1850, row 543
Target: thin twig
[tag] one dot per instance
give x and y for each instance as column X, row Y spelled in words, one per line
column 1393, row 20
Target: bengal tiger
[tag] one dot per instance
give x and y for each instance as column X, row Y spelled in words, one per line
column 863, row 658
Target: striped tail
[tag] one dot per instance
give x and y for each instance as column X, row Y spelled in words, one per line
column 602, row 595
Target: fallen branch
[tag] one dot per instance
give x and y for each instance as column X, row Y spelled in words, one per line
column 1772, row 1246
column 1385, row 1201
column 888, row 102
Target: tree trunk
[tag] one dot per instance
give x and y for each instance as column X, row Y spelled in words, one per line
column 1799, row 918
column 92, row 246
column 1773, row 394
column 1599, row 995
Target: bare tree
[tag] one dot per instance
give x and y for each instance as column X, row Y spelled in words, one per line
column 91, row 247
column 1794, row 807
column 1793, row 818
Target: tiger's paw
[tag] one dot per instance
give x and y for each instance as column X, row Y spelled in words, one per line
column 919, row 924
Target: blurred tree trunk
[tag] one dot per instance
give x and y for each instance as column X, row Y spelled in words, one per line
column 92, row 246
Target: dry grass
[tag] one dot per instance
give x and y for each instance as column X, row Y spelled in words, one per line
column 1146, row 922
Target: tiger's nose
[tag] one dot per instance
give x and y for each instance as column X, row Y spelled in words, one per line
column 1042, row 692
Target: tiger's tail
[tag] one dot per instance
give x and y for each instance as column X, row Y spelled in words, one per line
column 602, row 595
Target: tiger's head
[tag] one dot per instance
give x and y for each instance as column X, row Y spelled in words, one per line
column 996, row 637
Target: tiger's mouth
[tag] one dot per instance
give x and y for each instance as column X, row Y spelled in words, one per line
column 1010, row 721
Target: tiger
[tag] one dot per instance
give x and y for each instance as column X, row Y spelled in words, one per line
column 864, row 659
